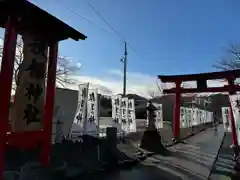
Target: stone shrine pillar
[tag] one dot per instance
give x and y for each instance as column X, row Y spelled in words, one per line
column 151, row 140
column 111, row 137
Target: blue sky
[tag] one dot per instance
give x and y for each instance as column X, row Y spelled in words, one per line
column 170, row 37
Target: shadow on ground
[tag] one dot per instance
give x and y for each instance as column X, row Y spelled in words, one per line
column 166, row 133
column 71, row 160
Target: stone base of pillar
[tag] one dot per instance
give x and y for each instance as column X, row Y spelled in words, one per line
column 151, row 141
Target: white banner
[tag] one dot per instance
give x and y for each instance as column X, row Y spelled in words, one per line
column 201, row 116
column 235, row 104
column 207, row 117
column 132, row 116
column 225, row 119
column 212, row 118
column 198, row 116
column 189, row 117
column 183, row 119
column 194, row 117
column 92, row 122
column 79, row 123
column 159, row 117
column 124, row 115
column 116, row 109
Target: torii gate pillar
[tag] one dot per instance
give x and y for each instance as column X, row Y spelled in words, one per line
column 176, row 122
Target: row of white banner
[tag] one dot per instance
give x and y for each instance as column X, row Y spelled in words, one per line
column 123, row 114
column 86, row 120
column 194, row 116
column 235, row 104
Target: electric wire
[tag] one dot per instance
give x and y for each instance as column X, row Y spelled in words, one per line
column 122, row 39
column 65, row 5
column 112, row 28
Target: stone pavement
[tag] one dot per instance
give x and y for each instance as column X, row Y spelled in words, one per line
column 192, row 159
column 224, row 166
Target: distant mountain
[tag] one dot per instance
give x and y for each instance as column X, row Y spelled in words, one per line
column 136, row 97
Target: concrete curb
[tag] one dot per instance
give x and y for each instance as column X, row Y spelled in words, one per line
column 186, row 137
column 216, row 158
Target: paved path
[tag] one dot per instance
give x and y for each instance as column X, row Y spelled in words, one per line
column 190, row 160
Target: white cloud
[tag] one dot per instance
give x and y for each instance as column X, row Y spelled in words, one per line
column 137, row 83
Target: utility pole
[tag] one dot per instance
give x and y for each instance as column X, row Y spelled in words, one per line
column 125, row 70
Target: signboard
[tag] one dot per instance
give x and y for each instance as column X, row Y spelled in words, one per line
column 124, row 115
column 158, row 116
column 235, row 104
column 79, row 122
column 29, row 104
column 131, row 116
column 92, row 123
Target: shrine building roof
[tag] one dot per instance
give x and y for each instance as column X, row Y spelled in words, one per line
column 33, row 19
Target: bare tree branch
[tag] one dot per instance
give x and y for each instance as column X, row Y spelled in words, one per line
column 153, row 93
column 232, row 59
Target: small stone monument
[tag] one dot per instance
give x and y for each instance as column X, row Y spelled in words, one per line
column 151, row 140
column 111, row 143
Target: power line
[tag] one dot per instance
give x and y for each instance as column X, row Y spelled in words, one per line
column 84, row 18
column 109, row 25
column 113, row 29
column 105, row 21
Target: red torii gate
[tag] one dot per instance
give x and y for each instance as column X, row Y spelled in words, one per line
column 18, row 17
column 202, row 87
